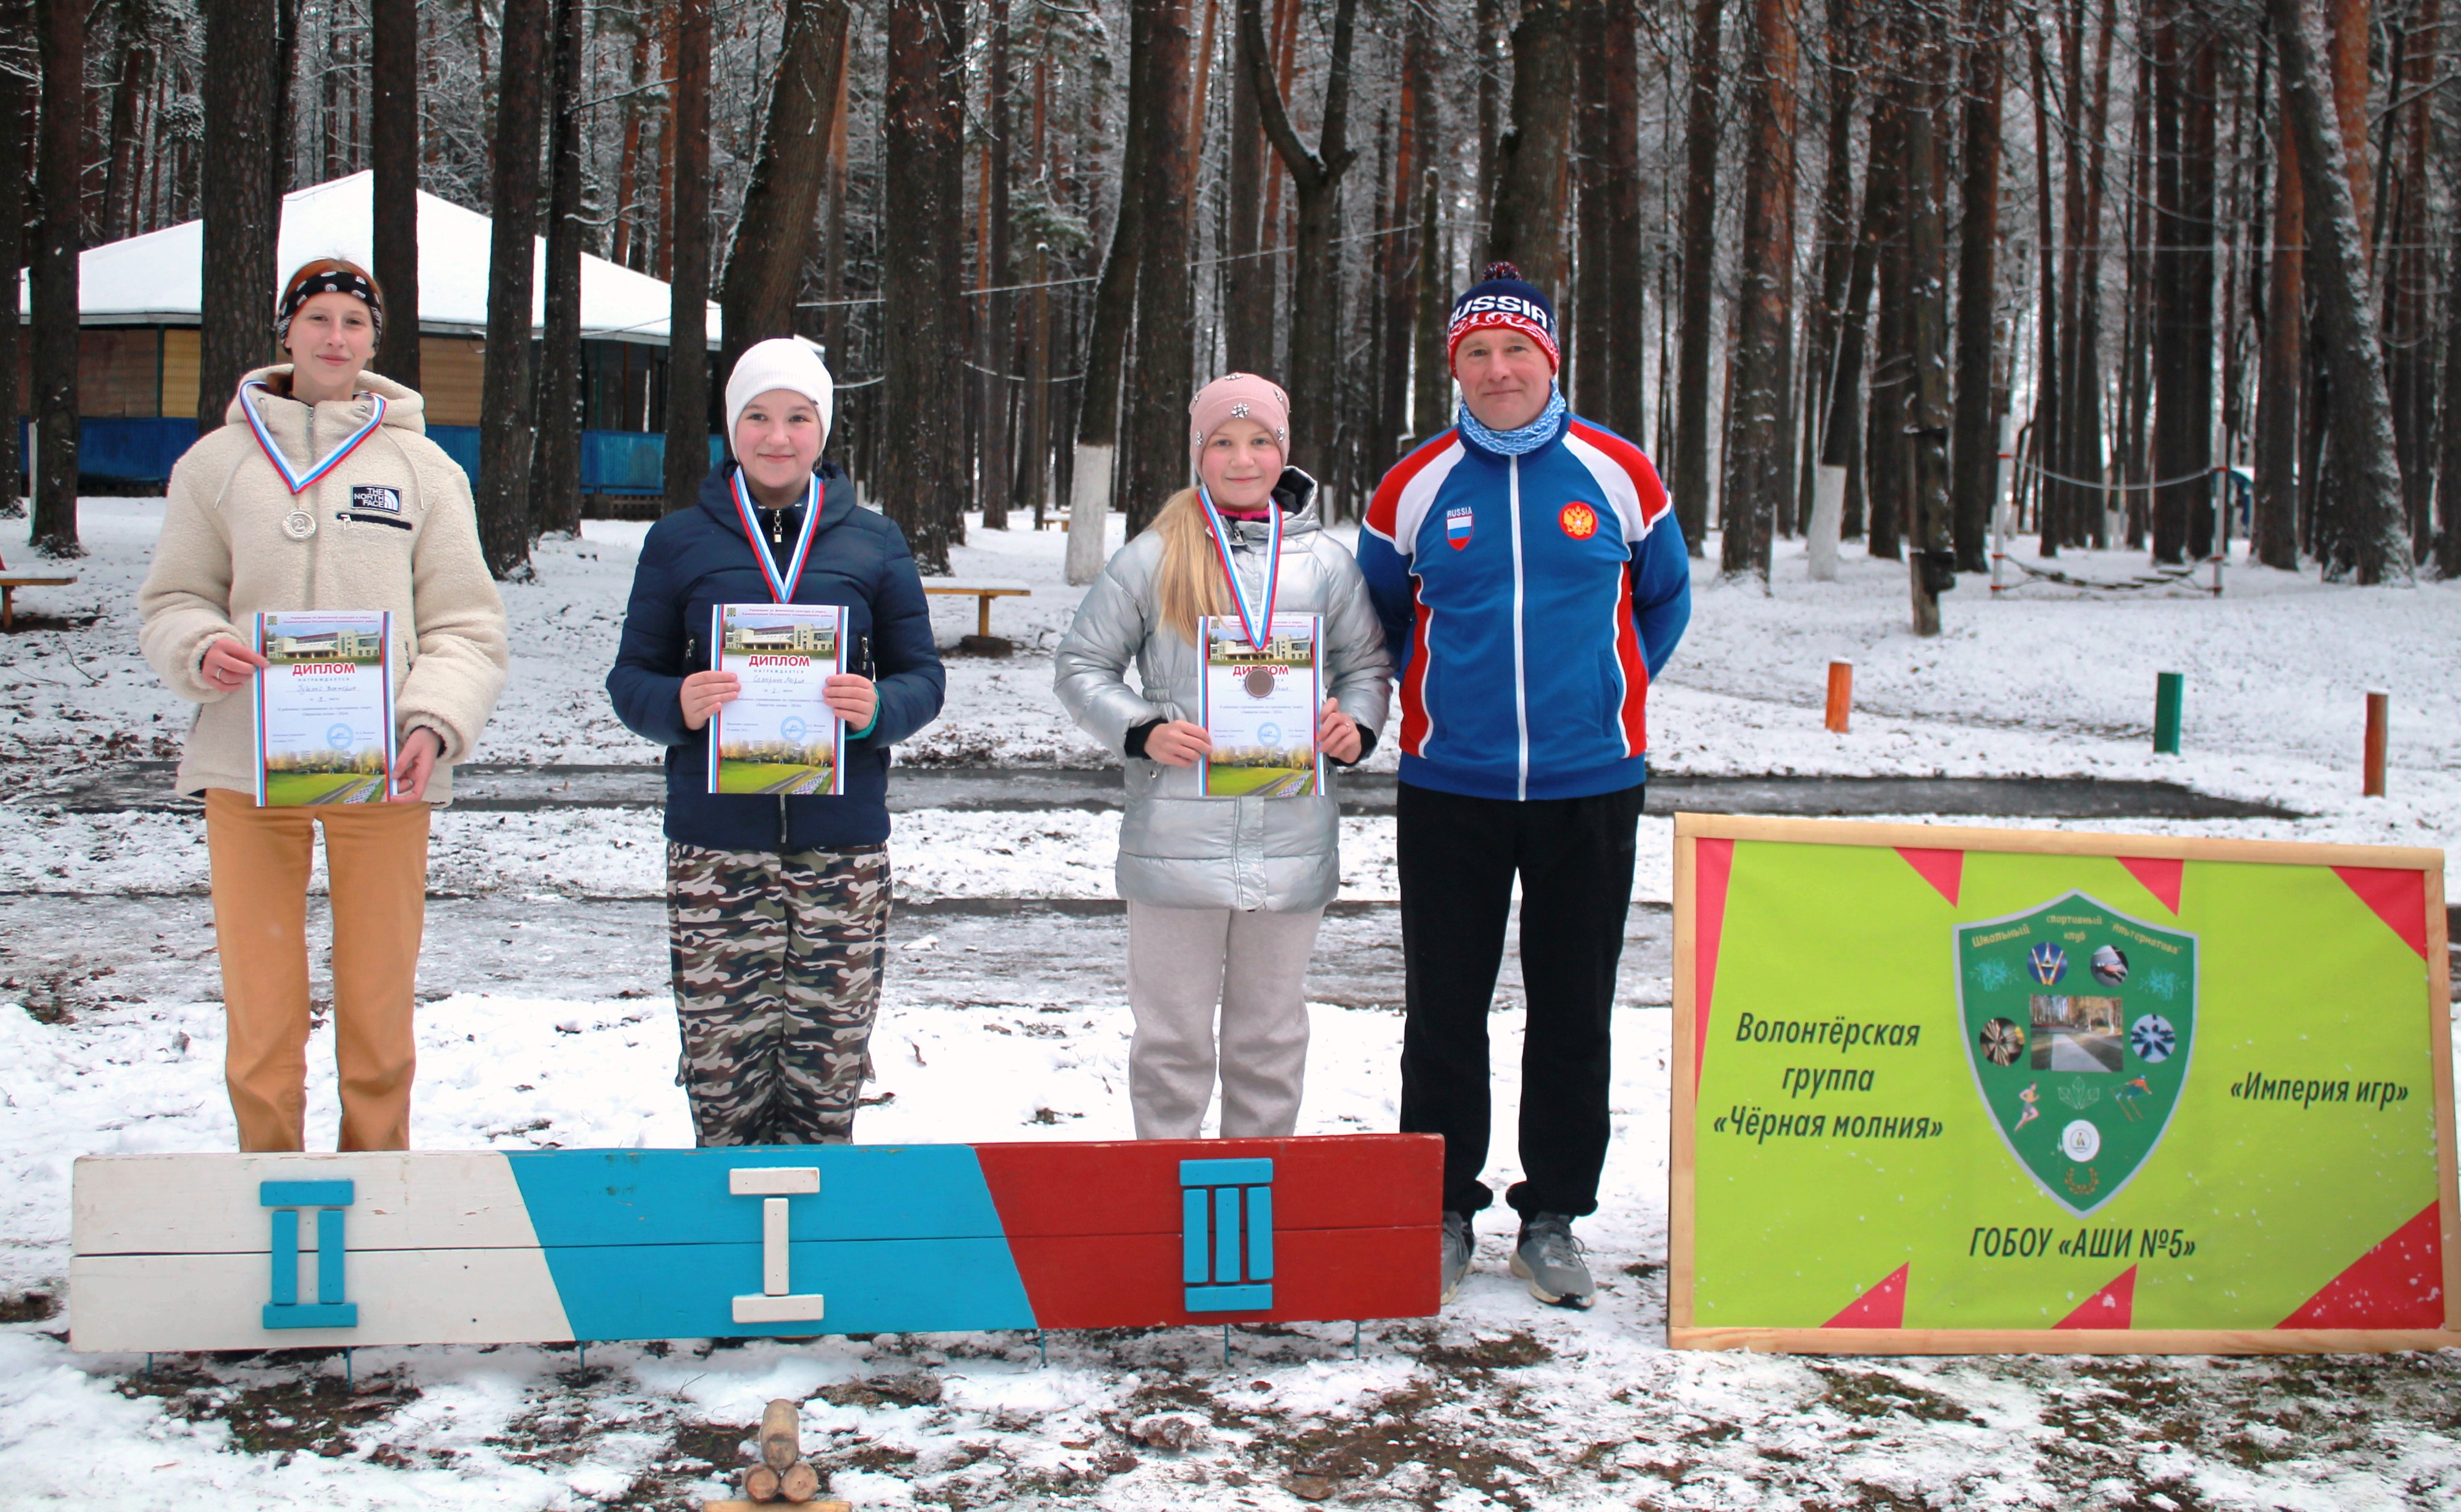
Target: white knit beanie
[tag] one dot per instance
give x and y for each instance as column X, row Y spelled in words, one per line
column 783, row 362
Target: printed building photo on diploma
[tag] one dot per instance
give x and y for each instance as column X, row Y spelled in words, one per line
column 1258, row 704
column 324, row 708
column 777, row 734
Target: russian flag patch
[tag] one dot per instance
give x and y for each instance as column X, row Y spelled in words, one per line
column 1457, row 522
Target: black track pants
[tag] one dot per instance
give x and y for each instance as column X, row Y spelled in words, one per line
column 1458, row 857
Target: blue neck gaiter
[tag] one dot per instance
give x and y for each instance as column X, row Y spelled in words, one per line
column 1523, row 442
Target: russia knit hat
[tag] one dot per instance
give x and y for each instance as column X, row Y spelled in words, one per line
column 1503, row 298
column 783, row 362
column 1238, row 396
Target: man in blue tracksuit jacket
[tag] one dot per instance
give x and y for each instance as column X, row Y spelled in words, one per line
column 1532, row 580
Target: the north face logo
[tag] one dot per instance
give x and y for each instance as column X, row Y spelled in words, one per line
column 1579, row 522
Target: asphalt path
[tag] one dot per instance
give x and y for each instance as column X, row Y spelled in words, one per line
column 145, row 786
column 76, row 953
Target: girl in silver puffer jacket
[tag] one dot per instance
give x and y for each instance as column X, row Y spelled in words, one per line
column 1224, row 894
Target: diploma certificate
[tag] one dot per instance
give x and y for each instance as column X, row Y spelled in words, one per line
column 324, row 708
column 777, row 734
column 1259, row 707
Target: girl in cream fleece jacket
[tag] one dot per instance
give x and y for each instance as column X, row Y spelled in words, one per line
column 332, row 499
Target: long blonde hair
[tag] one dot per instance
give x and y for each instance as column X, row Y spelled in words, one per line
column 1188, row 581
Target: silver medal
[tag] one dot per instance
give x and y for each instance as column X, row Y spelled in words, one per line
column 299, row 524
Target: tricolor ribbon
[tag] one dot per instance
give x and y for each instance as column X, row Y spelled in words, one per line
column 781, row 586
column 298, row 482
column 1256, row 619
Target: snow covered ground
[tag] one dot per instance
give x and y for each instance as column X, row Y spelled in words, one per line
column 1003, row 1025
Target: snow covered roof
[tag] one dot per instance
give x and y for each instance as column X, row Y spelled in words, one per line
column 156, row 279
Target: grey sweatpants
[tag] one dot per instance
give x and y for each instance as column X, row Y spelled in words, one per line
column 1184, row 965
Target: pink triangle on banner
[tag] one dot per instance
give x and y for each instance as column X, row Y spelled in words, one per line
column 2397, row 895
column 1713, row 861
column 2399, row 1284
column 1883, row 1307
column 2160, row 877
column 2110, row 1308
column 1943, row 869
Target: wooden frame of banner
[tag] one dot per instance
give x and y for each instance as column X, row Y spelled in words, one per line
column 1681, row 1332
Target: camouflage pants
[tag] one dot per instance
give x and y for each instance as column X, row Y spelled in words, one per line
column 777, row 969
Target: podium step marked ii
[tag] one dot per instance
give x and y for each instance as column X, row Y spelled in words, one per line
column 176, row 1252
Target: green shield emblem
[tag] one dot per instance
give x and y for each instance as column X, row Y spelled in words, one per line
column 2080, row 1024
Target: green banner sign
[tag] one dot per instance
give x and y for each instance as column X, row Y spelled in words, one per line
column 1971, row 1085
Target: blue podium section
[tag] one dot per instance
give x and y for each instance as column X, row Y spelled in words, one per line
column 662, row 1243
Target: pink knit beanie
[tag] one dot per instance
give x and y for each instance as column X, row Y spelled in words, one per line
column 1238, row 396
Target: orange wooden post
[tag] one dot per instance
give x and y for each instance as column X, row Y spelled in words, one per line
column 1841, row 694
column 2379, row 721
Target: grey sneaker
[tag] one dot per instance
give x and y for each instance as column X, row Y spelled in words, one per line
column 1459, row 1242
column 1549, row 1258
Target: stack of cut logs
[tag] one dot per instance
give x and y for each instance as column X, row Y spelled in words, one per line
column 783, row 1473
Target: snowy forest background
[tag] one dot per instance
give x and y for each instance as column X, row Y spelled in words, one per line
column 2148, row 238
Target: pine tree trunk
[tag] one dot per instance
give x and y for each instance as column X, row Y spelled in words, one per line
column 60, row 43
column 2048, row 447
column 133, row 72
column 1093, row 458
column 2408, row 266
column 1930, row 559
column 237, row 271
column 1528, row 229
column 1000, row 308
column 555, row 479
column 685, row 251
column 1316, row 176
column 777, row 224
column 1834, row 230
column 1247, row 278
column 1759, row 468
column 2368, row 533
column 2082, row 385
column 2447, row 483
column 504, row 412
column 628, row 157
column 1627, row 258
column 393, row 150
column 1587, row 334
column 2284, row 371
column 1432, row 382
column 2137, row 373
column 1974, row 487
column 1397, row 256
column 2184, row 76
column 1163, row 343
column 1887, row 463
column 1488, row 21
column 1842, row 431
column 922, row 471
column 16, row 106
column 1690, row 474
column 1430, row 290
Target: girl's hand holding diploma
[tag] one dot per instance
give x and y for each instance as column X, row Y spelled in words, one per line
column 1336, row 734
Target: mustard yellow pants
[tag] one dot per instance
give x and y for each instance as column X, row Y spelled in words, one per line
column 375, row 855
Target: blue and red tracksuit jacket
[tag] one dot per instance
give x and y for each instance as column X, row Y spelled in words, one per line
column 1528, row 600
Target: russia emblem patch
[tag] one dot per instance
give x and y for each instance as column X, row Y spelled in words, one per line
column 1457, row 523
column 1579, row 521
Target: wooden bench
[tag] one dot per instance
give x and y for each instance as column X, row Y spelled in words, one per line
column 12, row 579
column 982, row 593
